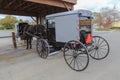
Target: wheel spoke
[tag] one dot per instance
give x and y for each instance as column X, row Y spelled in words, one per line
column 77, row 64
column 71, row 61
column 74, row 64
column 101, row 42
column 97, row 53
column 100, row 53
column 95, row 40
column 91, row 48
column 98, row 40
column 80, row 62
column 103, row 48
column 70, row 52
column 68, row 55
column 103, row 45
column 82, row 56
column 69, row 58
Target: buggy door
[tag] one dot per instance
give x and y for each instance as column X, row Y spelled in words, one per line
column 85, row 26
column 51, row 30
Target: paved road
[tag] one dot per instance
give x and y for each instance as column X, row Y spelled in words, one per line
column 24, row 64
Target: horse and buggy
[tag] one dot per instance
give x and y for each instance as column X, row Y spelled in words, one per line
column 71, row 33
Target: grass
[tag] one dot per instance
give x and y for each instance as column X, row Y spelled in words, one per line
column 108, row 29
column 115, row 28
column 103, row 29
column 2, row 28
column 7, row 30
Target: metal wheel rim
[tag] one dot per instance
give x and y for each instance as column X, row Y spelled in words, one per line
column 76, row 63
column 103, row 48
column 43, row 53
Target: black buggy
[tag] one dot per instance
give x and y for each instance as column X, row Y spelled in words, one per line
column 71, row 33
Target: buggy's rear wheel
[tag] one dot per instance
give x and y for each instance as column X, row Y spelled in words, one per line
column 100, row 48
column 76, row 55
column 42, row 48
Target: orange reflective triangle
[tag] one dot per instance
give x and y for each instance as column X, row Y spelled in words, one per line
column 89, row 39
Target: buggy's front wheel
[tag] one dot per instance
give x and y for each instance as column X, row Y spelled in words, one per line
column 76, row 55
column 42, row 47
column 100, row 48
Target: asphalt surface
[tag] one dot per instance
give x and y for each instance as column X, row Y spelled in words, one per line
column 22, row 64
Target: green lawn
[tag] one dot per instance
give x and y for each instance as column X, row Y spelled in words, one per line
column 103, row 29
column 115, row 28
column 108, row 29
column 8, row 30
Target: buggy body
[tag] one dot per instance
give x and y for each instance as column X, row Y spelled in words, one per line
column 66, row 26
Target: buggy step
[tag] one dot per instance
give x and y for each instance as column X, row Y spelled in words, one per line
column 50, row 46
column 54, row 53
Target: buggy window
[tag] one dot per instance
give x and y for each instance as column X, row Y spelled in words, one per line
column 51, row 29
column 85, row 21
column 51, row 23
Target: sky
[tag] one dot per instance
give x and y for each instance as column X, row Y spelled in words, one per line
column 18, row 17
column 92, row 5
column 96, row 5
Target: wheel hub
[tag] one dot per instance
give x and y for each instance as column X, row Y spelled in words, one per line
column 75, row 54
column 96, row 47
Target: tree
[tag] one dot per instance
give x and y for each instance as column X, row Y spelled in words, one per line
column 26, row 21
column 107, row 16
column 8, row 22
column 20, row 20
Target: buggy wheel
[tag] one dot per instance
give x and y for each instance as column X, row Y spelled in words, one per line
column 42, row 48
column 100, row 48
column 76, row 55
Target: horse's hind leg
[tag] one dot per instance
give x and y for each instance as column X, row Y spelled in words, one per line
column 27, row 43
column 30, row 42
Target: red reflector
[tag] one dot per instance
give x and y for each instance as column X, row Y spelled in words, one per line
column 74, row 45
column 89, row 39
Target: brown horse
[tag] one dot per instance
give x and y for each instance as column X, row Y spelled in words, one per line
column 32, row 31
column 27, row 37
